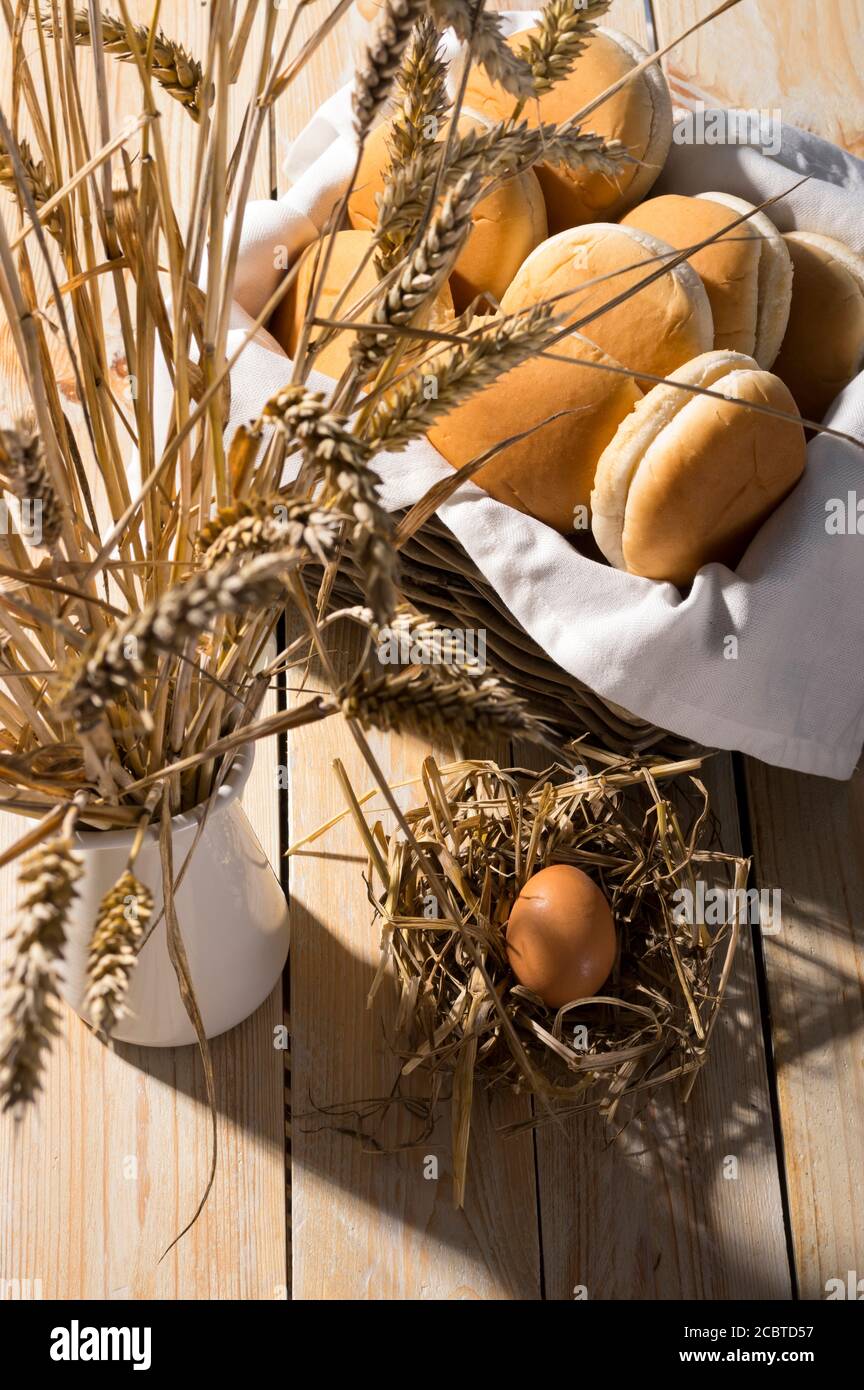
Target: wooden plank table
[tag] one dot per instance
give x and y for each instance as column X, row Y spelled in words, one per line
column 654, row 1215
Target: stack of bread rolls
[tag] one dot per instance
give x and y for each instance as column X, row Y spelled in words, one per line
column 668, row 419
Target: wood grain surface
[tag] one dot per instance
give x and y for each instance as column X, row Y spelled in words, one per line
column 653, row 1215
column 788, row 55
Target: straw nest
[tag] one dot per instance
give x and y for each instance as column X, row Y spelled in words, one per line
column 443, row 895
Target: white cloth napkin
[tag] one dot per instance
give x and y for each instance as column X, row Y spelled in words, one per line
column 790, row 688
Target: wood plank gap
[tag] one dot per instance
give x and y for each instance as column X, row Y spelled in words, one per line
column 284, row 879
column 747, row 849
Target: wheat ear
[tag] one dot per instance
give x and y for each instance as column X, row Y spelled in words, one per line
column 47, row 876
column 130, row 650
column 39, row 185
column 438, row 702
column 565, row 28
column 340, row 460
column 22, row 460
column 411, row 407
column 265, row 524
column 174, row 68
column 421, row 94
column 424, row 272
column 377, row 71
column 124, row 914
column 472, row 24
column 502, row 151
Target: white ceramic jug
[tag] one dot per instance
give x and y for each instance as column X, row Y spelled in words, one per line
column 231, row 910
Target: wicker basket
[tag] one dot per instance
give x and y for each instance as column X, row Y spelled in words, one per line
column 444, row 583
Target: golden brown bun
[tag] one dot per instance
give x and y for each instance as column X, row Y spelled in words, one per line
column 774, row 288
column 548, row 474
column 348, row 253
column 639, row 115
column 507, row 225
column 688, row 480
column 747, row 273
column 824, row 343
column 660, row 327
column 729, row 268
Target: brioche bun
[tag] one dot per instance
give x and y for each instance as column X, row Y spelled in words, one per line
column 349, row 250
column 660, row 327
column 639, row 115
column 688, row 480
column 824, row 344
column 507, row 224
column 550, row 472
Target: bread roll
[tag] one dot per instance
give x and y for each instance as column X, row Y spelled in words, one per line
column 550, row 472
column 347, row 255
column 774, row 287
column 508, row 224
column 656, row 330
column 639, row 115
column 688, row 480
column 824, row 344
column 728, row 268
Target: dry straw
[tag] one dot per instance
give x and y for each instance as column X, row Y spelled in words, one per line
column 463, row 1020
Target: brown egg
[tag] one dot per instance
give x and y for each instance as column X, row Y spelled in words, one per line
column 561, row 936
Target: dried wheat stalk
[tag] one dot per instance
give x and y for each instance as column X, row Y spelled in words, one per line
column 129, row 651
column 124, row 914
column 267, row 524
column 174, row 68
column 339, row 459
column 48, row 876
column 503, row 150
column 438, row 702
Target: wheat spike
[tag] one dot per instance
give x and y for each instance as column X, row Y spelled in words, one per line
column 424, row 272
column 421, row 104
column 490, row 49
column 266, row 524
column 437, row 701
column 421, row 94
column 409, row 409
column 340, row 460
column 47, row 876
column 39, row 185
column 129, row 651
column 176, row 71
column 377, row 71
column 124, row 914
column 22, row 460
column 502, row 151
column 565, row 28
